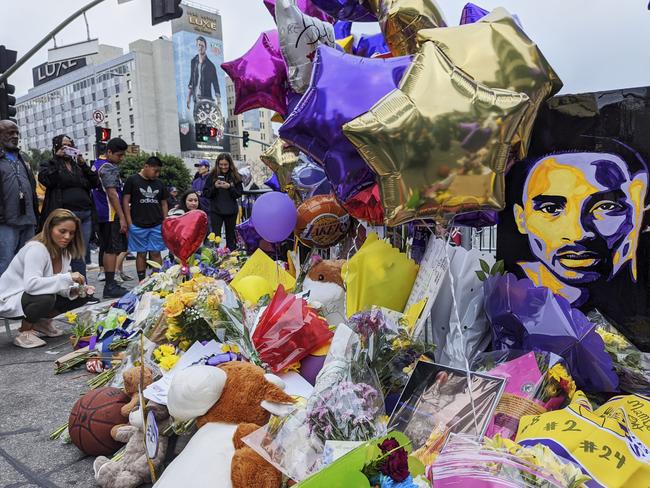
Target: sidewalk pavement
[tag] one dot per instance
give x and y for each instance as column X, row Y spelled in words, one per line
column 34, row 402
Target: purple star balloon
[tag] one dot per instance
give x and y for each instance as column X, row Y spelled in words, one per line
column 368, row 45
column 342, row 87
column 472, row 13
column 346, row 10
column 307, row 7
column 273, row 183
column 260, row 76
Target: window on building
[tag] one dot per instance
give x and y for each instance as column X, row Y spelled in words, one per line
column 129, row 85
column 131, row 120
column 133, row 137
column 105, row 92
column 119, row 123
column 117, row 106
column 130, row 102
column 117, row 88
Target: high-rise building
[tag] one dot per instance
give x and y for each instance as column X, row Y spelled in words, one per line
column 259, row 126
column 133, row 94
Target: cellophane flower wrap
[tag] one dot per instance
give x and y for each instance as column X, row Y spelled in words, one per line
column 391, row 348
column 288, row 331
column 631, row 365
column 530, row 318
column 536, row 382
column 346, row 404
column 501, row 463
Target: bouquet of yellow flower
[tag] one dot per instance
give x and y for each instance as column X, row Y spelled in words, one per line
column 83, row 327
column 187, row 315
column 631, row 365
column 165, row 356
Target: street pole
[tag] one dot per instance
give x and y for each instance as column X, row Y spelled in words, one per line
column 249, row 139
column 46, row 39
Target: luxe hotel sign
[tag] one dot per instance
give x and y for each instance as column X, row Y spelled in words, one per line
column 49, row 71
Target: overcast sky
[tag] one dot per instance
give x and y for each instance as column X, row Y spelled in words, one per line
column 592, row 44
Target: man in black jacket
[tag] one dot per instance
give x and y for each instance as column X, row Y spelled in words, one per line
column 203, row 75
column 18, row 201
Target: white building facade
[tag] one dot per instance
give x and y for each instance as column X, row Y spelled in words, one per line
column 135, row 93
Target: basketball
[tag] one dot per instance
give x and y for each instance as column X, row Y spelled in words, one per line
column 92, row 418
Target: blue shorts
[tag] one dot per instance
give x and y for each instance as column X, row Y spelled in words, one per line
column 146, row 239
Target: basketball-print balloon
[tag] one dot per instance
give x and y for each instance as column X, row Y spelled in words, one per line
column 92, row 418
column 322, row 222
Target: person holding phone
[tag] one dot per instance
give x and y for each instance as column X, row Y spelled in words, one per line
column 224, row 188
column 39, row 283
column 68, row 180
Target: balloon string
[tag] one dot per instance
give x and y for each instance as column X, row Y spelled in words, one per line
column 457, row 323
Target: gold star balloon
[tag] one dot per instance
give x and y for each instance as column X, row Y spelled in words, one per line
column 496, row 52
column 400, row 21
column 281, row 158
column 440, row 142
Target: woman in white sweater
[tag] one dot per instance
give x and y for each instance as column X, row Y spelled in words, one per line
column 38, row 283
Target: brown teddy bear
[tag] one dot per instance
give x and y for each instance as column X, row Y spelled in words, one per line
column 229, row 402
column 131, row 383
column 132, row 469
column 326, row 290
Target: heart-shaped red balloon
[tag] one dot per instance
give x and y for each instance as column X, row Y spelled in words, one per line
column 184, row 235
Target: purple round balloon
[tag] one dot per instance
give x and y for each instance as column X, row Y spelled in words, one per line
column 368, row 45
column 260, row 76
column 273, row 183
column 342, row 87
column 472, row 13
column 307, row 7
column 346, row 10
column 274, row 216
column 342, row 29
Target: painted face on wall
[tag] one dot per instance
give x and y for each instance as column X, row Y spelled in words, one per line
column 582, row 213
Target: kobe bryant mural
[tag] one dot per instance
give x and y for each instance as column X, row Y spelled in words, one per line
column 576, row 218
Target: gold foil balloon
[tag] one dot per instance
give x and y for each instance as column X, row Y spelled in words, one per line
column 300, row 35
column 400, row 21
column 440, row 142
column 496, row 52
column 281, row 158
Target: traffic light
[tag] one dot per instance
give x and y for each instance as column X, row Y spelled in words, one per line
column 102, row 136
column 164, row 10
column 245, row 138
column 202, row 132
column 7, row 100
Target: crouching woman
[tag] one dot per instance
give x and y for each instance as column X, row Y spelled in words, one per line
column 38, row 283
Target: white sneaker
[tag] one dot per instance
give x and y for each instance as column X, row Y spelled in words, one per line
column 28, row 340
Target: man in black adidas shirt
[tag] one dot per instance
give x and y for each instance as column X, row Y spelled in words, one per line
column 145, row 206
